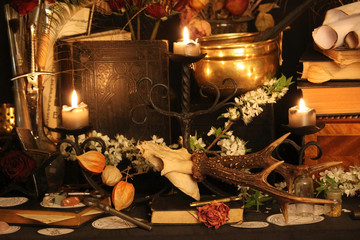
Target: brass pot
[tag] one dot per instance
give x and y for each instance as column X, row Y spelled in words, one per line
column 236, row 56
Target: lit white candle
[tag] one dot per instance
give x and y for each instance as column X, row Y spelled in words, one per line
column 300, row 116
column 76, row 116
column 187, row 47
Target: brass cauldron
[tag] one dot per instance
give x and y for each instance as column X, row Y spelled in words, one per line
column 236, row 56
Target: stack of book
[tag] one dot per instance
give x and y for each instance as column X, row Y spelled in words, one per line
column 330, row 83
column 329, row 87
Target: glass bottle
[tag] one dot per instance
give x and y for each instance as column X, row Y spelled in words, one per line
column 304, row 187
column 334, row 193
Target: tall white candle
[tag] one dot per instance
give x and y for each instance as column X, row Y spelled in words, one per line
column 301, row 116
column 187, row 47
column 76, row 116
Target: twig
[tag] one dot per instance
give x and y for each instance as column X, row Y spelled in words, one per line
column 230, row 123
column 255, row 5
column 138, row 27
column 155, row 30
column 91, row 17
column 130, row 26
column 129, row 21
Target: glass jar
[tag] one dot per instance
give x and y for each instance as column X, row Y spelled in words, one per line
column 304, row 187
column 334, row 193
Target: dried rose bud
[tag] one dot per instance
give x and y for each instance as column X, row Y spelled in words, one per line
column 117, row 5
column 158, row 10
column 23, row 7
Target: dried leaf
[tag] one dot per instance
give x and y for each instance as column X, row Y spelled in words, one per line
column 266, row 7
column 264, row 21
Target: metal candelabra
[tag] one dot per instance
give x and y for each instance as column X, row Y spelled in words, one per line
column 302, row 131
column 80, row 148
column 186, row 115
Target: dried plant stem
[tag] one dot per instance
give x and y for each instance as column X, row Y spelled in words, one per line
column 130, row 19
column 130, row 27
column 255, row 5
column 230, row 123
column 155, row 30
column 138, row 21
column 91, row 17
column 126, row 172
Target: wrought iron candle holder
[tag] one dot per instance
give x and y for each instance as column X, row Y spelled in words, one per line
column 302, row 131
column 186, row 115
column 80, row 148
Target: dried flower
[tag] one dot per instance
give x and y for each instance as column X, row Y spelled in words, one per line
column 214, row 214
column 199, row 28
column 117, row 149
column 264, row 20
column 159, row 10
column 233, row 10
column 117, row 5
column 23, row 7
column 17, row 166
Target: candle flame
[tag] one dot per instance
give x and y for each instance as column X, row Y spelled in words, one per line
column 302, row 106
column 186, row 35
column 74, row 100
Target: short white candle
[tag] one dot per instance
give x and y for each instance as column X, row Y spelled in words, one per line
column 187, row 47
column 301, row 116
column 76, row 116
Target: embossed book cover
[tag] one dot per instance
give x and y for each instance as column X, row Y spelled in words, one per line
column 105, row 74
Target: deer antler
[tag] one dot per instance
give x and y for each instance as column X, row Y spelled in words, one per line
column 228, row 169
column 264, row 159
column 212, row 167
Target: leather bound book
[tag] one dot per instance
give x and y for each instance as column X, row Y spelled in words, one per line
column 175, row 209
column 105, row 75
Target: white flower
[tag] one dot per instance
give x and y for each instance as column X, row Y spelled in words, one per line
column 212, row 131
column 281, row 185
column 232, row 146
column 198, row 143
column 249, row 103
column 347, row 181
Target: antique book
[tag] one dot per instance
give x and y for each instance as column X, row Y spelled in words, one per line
column 332, row 97
column 106, row 77
column 175, row 209
column 343, row 56
column 110, row 35
column 318, row 68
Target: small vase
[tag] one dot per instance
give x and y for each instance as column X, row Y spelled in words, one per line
column 304, row 188
column 334, row 209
